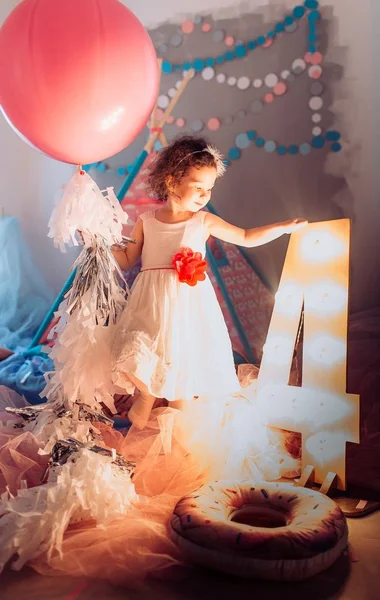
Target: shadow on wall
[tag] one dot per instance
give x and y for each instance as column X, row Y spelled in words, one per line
column 260, row 187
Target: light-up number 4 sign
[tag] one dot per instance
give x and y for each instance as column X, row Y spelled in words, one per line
column 316, row 277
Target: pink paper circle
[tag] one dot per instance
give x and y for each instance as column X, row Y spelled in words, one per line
column 307, row 57
column 230, row 40
column 206, row 27
column 170, row 119
column 315, row 72
column 280, row 88
column 316, row 58
column 213, row 124
column 268, row 43
column 268, row 98
column 187, row 27
column 180, row 122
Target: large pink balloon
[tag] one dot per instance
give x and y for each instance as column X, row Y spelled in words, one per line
column 78, row 78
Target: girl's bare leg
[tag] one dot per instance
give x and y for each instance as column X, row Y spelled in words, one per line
column 139, row 412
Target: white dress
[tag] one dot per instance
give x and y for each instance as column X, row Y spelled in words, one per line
column 173, row 337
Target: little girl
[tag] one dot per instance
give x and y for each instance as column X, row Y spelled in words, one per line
column 172, row 341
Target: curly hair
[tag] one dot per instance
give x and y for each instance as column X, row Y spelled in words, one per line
column 176, row 160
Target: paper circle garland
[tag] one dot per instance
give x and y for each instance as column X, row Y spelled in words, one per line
column 270, row 80
column 197, row 125
column 163, row 101
column 187, row 27
column 242, row 141
column 218, row 35
column 270, row 146
column 315, row 71
column 305, row 149
column 208, row 73
column 298, row 66
column 256, row 106
column 280, row 88
column 213, row 124
column 243, row 83
column 316, row 88
column 315, row 103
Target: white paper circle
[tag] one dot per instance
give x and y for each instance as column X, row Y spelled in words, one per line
column 298, row 66
column 163, row 101
column 285, row 74
column 257, row 83
column 270, row 80
column 208, row 73
column 172, row 92
column 315, row 103
column 243, row 83
column 316, row 118
column 231, row 81
column 316, row 131
column 220, row 78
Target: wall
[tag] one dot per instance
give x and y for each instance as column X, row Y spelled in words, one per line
column 30, row 180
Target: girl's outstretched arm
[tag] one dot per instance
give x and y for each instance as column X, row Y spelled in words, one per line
column 248, row 238
column 128, row 257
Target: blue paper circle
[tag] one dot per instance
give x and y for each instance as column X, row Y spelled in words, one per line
column 242, row 141
column 240, row 51
column 251, row 45
column 293, row 149
column 229, row 55
column 261, row 40
column 280, row 27
column 311, row 4
column 312, row 37
column 226, row 162
column 313, row 16
column 251, row 134
column 335, row 147
column 101, row 167
column 312, row 48
column 288, row 20
column 312, row 27
column 271, row 34
column 318, row 141
column 298, row 12
column 199, row 64
column 281, row 150
column 121, row 171
column 234, row 153
column 210, row 62
column 332, row 136
column 270, row 146
column 219, row 60
column 305, row 149
column 260, row 142
column 167, row 66
column 187, row 66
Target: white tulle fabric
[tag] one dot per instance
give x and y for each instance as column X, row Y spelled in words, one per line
column 173, row 337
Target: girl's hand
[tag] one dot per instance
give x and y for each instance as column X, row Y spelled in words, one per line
column 294, row 225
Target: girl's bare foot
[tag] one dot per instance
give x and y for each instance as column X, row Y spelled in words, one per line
column 5, row 353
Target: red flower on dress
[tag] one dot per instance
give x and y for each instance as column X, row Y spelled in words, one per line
column 190, row 266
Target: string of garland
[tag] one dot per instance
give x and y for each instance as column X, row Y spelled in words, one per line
column 309, row 9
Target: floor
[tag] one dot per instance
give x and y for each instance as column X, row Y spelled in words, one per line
column 349, row 579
